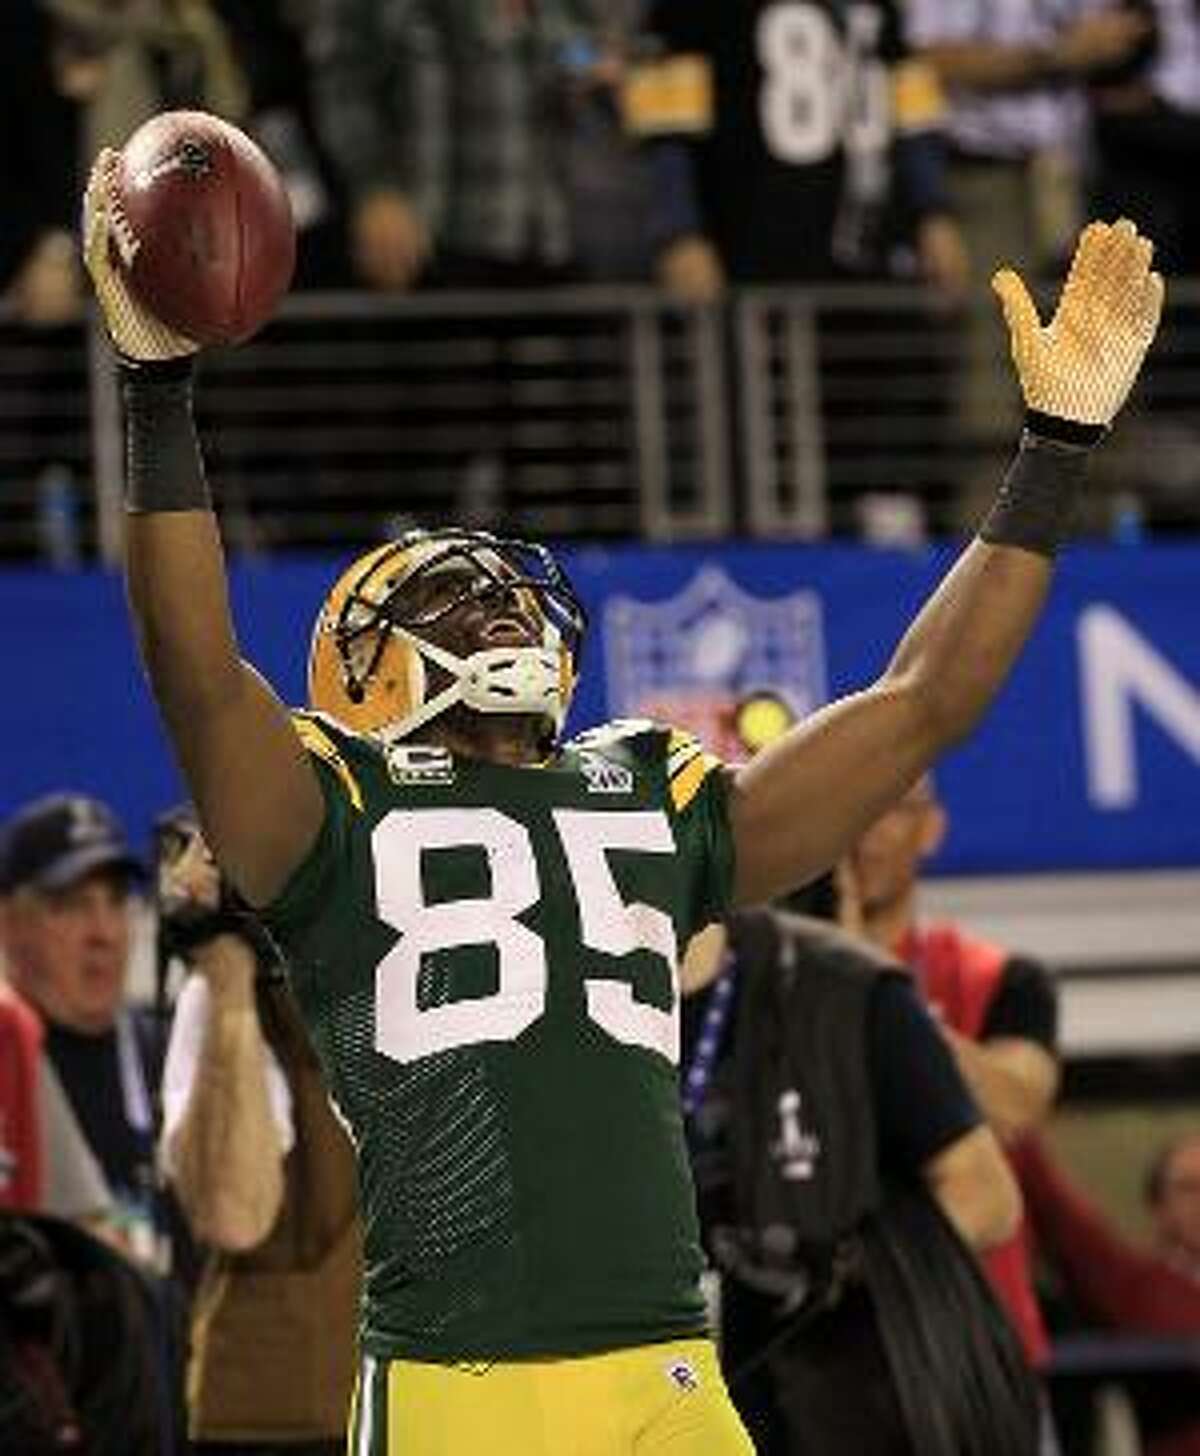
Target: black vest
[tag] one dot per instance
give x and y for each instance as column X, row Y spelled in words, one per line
column 804, row 1158
column 857, row 1319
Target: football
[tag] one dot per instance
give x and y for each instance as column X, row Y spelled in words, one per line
column 205, row 232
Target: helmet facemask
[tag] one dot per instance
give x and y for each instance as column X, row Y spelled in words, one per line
column 395, row 605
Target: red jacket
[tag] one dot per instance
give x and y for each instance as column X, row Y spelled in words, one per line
column 20, row 1128
column 1116, row 1283
column 961, row 976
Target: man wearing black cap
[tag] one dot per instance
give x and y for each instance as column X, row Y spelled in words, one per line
column 66, row 871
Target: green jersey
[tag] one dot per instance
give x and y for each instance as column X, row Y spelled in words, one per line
column 486, row 957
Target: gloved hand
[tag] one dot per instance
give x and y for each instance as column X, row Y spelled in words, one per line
column 1082, row 365
column 138, row 336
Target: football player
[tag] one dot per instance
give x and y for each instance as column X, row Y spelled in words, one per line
column 482, row 922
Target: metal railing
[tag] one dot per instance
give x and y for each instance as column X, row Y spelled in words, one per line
column 572, row 413
column 598, row 413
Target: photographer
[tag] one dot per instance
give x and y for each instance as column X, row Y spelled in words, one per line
column 845, row 1182
column 264, row 1175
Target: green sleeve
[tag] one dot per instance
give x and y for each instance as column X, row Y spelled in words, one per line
column 699, row 790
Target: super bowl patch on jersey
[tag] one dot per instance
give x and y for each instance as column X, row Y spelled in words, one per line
column 604, row 777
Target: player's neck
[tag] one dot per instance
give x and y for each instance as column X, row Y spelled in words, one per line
column 509, row 741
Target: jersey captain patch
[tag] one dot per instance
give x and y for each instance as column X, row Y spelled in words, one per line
column 418, row 763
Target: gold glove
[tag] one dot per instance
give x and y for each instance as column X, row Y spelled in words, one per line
column 136, row 333
column 1083, row 364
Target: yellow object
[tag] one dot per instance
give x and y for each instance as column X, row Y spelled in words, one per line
column 396, row 684
column 320, row 745
column 670, row 96
column 761, row 719
column 1083, row 363
column 665, row 1398
column 687, row 767
column 918, row 101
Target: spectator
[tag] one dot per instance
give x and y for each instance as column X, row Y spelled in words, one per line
column 269, row 41
column 265, row 1176
column 45, row 1165
column 1145, row 114
column 445, row 120
column 880, row 1110
column 1145, row 129
column 1154, row 1291
column 161, row 53
column 450, row 126
column 1012, row 71
column 609, row 180
column 39, row 269
column 812, row 154
column 75, row 74
column 998, row 1012
column 82, row 1365
column 814, row 131
column 1173, row 1197
column 66, row 872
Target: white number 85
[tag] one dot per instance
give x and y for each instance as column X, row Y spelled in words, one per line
column 406, row 1032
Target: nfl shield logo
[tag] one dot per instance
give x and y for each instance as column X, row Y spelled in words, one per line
column 690, row 660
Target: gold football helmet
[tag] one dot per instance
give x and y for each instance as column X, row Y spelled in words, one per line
column 372, row 649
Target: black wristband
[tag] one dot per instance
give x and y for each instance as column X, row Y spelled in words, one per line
column 164, row 470
column 1065, row 432
column 1037, row 502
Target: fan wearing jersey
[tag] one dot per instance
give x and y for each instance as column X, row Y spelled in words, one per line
column 818, row 158
column 482, row 922
column 813, row 152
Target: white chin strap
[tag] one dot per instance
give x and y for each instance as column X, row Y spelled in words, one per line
column 492, row 680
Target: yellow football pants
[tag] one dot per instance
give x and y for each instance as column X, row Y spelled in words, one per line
column 651, row 1400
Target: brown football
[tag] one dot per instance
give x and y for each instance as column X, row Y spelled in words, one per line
column 206, row 237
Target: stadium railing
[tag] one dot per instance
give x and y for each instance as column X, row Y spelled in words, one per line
column 598, row 413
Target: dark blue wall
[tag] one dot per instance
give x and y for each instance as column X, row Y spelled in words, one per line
column 76, row 712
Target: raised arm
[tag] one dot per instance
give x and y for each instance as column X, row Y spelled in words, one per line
column 1116, row 1281
column 222, row 1146
column 801, row 802
column 256, row 793
column 1088, row 43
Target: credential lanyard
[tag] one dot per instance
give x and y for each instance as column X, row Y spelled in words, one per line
column 133, row 1076
column 704, row 1058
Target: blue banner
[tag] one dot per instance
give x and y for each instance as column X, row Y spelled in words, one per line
column 1090, row 759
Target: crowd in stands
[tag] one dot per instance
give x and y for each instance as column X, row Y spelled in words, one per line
column 521, row 143
column 509, row 142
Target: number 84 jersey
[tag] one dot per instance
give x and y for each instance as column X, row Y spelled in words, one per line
column 486, row 959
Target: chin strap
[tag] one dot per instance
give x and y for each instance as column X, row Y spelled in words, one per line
column 492, row 680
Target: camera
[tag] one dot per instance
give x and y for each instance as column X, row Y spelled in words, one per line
column 195, row 901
